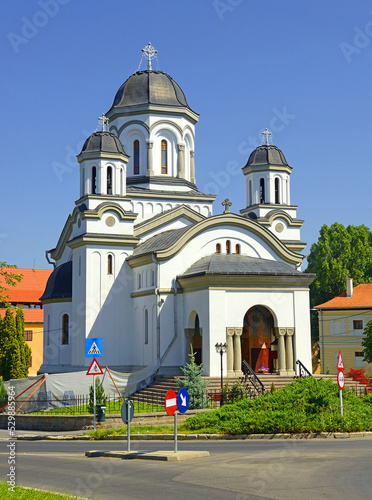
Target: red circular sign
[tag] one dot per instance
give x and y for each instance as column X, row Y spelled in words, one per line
column 341, row 379
column 170, row 402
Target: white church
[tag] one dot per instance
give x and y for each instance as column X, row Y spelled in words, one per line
column 144, row 263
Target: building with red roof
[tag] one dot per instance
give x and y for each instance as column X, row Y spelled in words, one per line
column 26, row 295
column 342, row 321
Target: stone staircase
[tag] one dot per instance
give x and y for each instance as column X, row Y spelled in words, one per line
column 157, row 390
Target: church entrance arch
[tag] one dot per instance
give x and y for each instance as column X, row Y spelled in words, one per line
column 257, row 338
column 194, row 338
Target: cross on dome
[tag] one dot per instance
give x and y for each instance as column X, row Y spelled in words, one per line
column 103, row 120
column 266, row 137
column 149, row 52
column 226, row 203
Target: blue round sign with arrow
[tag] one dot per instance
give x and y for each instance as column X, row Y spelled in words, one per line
column 183, row 400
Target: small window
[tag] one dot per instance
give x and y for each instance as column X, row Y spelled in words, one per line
column 218, row 248
column 109, row 264
column 262, row 190
column 28, row 335
column 65, row 327
column 146, row 326
column 228, row 246
column 30, row 365
column 109, row 180
column 139, row 280
column 136, row 150
column 94, row 180
column 358, row 324
column 277, row 197
column 237, row 248
column 152, row 277
column 164, row 157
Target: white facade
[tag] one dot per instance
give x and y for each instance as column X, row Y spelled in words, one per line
column 143, row 263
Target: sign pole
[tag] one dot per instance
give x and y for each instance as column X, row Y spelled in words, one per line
column 175, row 431
column 94, row 400
column 342, row 410
column 128, row 425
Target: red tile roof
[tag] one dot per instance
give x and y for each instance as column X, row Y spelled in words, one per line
column 361, row 298
column 30, row 288
column 31, row 315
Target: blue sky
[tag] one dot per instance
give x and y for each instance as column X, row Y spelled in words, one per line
column 302, row 69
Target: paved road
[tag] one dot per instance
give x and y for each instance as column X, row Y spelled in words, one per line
column 240, row 470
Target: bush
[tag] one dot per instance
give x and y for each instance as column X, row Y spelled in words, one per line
column 305, row 405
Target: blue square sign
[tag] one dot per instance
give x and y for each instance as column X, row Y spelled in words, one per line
column 93, row 348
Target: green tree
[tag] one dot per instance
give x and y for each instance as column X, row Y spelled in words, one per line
column 14, row 353
column 100, row 395
column 194, row 383
column 7, row 279
column 340, row 253
column 367, row 343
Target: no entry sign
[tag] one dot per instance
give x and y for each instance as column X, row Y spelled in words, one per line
column 341, row 379
column 170, row 402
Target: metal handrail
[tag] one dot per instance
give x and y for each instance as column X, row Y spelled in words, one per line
column 251, row 378
column 303, row 371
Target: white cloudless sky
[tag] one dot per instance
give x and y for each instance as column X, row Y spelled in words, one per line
column 302, row 69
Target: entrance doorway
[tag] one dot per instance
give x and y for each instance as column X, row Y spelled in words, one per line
column 257, row 338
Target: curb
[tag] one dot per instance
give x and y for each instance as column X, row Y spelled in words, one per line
column 200, row 437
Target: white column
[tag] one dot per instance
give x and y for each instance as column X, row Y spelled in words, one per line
column 280, row 333
column 192, row 167
column 230, row 351
column 150, row 170
column 180, row 161
column 289, row 351
column 238, row 351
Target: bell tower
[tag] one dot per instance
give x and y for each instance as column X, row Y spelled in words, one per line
column 268, row 195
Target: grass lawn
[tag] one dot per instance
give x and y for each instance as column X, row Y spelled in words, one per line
column 21, row 493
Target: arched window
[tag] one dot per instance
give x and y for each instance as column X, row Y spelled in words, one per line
column 250, row 193
column 65, row 327
column 109, row 180
column 152, row 277
column 164, row 157
column 146, row 326
column 228, row 246
column 121, row 182
column 139, row 280
column 94, row 180
column 277, row 186
column 262, row 190
column 218, row 248
column 109, row 264
column 136, row 150
column 237, row 248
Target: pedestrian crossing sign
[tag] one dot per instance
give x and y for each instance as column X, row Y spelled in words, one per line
column 93, row 348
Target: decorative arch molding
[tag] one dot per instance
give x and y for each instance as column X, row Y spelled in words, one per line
column 189, row 129
column 276, row 214
column 128, row 124
column 267, row 236
column 153, row 128
column 108, row 207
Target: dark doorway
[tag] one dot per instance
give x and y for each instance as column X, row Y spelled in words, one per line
column 257, row 338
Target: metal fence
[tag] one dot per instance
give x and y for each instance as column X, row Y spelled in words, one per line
column 147, row 402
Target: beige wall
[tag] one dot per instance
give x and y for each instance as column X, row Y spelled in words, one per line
column 336, row 332
column 36, row 345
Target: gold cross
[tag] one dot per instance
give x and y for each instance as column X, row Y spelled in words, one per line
column 226, row 203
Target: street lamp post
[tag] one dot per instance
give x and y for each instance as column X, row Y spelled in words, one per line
column 221, row 349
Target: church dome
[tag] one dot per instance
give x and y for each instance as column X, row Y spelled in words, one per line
column 103, row 141
column 267, row 154
column 150, row 87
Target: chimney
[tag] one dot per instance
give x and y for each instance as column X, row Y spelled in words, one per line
column 349, row 287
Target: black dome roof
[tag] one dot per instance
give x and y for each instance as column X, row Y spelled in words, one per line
column 150, row 87
column 267, row 154
column 103, row 141
column 59, row 284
